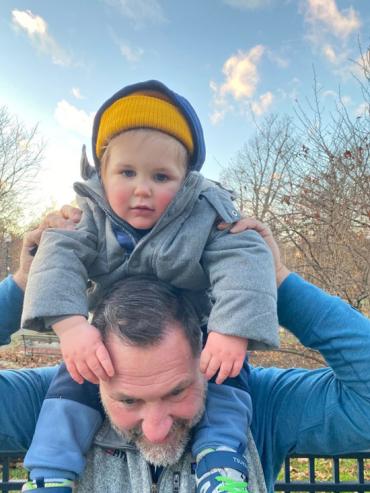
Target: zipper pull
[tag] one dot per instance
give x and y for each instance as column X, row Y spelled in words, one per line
column 176, row 482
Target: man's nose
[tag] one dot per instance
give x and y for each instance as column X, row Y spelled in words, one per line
column 156, row 425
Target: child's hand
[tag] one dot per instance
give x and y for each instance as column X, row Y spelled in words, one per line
column 225, row 353
column 83, row 351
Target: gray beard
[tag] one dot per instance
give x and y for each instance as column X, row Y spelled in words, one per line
column 163, row 454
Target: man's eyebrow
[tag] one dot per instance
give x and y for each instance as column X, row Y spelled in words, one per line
column 180, row 386
column 118, row 396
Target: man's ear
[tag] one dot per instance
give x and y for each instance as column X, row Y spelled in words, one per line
column 86, row 169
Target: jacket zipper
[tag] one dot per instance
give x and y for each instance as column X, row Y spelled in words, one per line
column 175, row 483
column 154, row 487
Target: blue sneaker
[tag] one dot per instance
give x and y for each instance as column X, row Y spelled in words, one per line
column 41, row 485
column 222, row 471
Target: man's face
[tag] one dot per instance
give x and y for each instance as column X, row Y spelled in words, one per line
column 156, row 395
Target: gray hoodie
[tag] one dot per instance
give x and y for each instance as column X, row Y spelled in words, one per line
column 127, row 471
column 184, row 248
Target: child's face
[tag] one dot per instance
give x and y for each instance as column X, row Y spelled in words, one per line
column 142, row 173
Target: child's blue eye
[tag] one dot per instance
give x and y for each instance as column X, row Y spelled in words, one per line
column 161, row 177
column 129, row 173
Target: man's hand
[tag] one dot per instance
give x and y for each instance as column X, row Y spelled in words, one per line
column 83, row 351
column 66, row 218
column 250, row 223
column 30, row 240
column 223, row 353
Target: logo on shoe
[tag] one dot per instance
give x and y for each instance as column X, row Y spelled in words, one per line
column 239, row 461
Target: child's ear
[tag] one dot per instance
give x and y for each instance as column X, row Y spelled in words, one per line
column 86, row 169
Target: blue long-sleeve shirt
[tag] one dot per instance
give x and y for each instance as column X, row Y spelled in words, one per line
column 297, row 410
column 314, row 411
column 11, row 299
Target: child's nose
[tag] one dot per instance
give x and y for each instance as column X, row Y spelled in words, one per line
column 142, row 189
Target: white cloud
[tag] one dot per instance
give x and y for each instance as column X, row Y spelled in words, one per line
column 346, row 100
column 241, row 73
column 359, row 64
column 31, row 23
column 264, row 102
column 327, row 14
column 248, row 4
column 217, row 116
column 329, row 31
column 77, row 93
column 61, row 169
column 280, row 61
column 363, row 109
column 220, row 105
column 339, row 58
column 329, row 93
column 329, row 54
column 37, row 30
column 71, row 118
column 241, row 79
column 293, row 90
column 140, row 11
column 131, row 54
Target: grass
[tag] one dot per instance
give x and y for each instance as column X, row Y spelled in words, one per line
column 16, row 473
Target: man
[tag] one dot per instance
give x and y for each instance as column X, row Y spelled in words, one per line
column 321, row 411
column 157, row 394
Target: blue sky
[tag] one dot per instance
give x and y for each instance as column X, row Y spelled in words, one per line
column 231, row 58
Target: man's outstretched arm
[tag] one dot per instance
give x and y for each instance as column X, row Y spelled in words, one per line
column 12, row 288
column 313, row 411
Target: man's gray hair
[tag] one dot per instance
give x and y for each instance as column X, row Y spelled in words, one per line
column 140, row 310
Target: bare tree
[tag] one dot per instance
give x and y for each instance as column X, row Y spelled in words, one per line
column 328, row 220
column 20, row 158
column 310, row 180
column 260, row 173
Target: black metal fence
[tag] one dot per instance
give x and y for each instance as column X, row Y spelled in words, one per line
column 359, row 477
column 8, row 482
column 360, row 481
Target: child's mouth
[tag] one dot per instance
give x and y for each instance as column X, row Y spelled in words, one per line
column 142, row 208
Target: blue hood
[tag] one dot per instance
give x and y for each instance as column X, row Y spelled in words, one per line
column 199, row 155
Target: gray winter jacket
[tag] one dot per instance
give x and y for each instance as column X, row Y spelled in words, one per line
column 184, row 248
column 115, row 466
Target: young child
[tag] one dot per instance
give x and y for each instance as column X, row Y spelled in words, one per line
column 147, row 210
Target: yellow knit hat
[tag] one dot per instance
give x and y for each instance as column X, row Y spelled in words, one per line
column 140, row 110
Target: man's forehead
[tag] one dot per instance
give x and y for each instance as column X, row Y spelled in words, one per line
column 173, row 352
column 173, row 335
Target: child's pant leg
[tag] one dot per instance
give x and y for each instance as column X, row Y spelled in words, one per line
column 227, row 415
column 69, row 418
column 22, row 393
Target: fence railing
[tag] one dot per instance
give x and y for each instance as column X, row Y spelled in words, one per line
column 360, row 476
column 361, row 482
column 7, row 480
column 41, row 344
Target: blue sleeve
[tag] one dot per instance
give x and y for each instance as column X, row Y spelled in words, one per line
column 314, row 411
column 11, row 300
